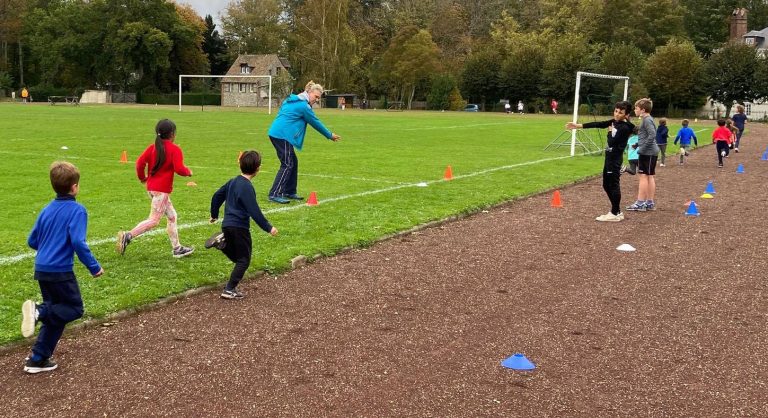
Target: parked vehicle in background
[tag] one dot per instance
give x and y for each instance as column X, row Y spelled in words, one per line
column 472, row 108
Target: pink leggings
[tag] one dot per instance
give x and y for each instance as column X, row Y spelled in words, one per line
column 161, row 205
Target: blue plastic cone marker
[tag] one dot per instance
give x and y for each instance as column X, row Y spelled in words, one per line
column 740, row 169
column 710, row 188
column 693, row 210
column 518, row 362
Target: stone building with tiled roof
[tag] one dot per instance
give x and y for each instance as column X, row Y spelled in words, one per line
column 240, row 91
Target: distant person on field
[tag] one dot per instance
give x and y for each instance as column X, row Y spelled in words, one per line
column 24, row 95
column 648, row 153
column 241, row 206
column 553, row 105
column 156, row 167
column 59, row 232
column 721, row 137
column 520, row 107
column 287, row 132
column 632, row 155
column 740, row 121
column 734, row 132
column 507, row 107
column 662, row 136
column 684, row 135
column 618, row 134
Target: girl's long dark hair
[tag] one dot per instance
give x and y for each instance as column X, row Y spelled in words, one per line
column 163, row 130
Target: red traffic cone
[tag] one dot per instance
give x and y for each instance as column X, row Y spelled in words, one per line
column 124, row 157
column 448, row 173
column 556, row 202
column 312, row 200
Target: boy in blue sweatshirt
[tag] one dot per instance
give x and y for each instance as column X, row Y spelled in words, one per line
column 58, row 234
column 234, row 240
column 684, row 135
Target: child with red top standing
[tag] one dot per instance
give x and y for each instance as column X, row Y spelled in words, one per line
column 722, row 139
column 163, row 159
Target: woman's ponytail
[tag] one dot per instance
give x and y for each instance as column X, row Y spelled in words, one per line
column 164, row 129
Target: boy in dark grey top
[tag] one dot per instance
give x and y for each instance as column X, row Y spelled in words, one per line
column 647, row 151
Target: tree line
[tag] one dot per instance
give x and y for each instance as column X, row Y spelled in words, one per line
column 445, row 52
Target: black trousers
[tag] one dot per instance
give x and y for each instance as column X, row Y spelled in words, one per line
column 611, row 183
column 238, row 250
column 287, row 176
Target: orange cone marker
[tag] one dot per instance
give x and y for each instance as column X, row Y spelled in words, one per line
column 312, row 200
column 448, row 173
column 124, row 157
column 556, row 202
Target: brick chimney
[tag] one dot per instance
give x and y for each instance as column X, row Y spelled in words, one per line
column 738, row 24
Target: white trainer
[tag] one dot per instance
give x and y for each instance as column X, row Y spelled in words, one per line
column 609, row 217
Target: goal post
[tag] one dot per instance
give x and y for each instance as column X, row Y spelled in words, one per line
column 268, row 77
column 579, row 74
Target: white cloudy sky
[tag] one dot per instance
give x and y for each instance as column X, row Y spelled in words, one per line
column 207, row 7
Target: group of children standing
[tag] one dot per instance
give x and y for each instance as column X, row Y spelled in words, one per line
column 60, row 229
column 645, row 144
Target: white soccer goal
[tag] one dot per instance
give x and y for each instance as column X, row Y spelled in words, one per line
column 268, row 77
column 577, row 136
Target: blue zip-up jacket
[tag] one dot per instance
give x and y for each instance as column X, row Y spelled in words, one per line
column 632, row 152
column 684, row 135
column 662, row 134
column 240, row 205
column 292, row 119
column 58, row 234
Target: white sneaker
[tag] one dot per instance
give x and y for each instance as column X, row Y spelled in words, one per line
column 722, row 153
column 661, row 165
column 28, row 318
column 609, row 217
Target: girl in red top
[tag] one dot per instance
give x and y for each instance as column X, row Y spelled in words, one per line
column 722, row 139
column 163, row 159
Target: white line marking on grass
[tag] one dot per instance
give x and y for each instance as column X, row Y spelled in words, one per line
column 474, row 125
column 19, row 257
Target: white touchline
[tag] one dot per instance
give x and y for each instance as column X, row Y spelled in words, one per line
column 19, row 257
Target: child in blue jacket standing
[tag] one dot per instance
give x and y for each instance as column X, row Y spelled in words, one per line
column 58, row 234
column 287, row 131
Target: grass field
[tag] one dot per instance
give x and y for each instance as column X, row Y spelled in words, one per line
column 366, row 184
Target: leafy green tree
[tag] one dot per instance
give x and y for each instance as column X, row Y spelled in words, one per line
column 6, row 82
column 254, row 27
column 215, row 48
column 673, row 75
column 481, row 79
column 414, row 63
column 440, row 90
column 325, row 44
column 567, row 55
column 449, row 30
column 731, row 75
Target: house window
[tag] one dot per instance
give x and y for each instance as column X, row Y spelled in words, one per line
column 254, row 87
column 245, row 69
column 227, row 87
column 243, row 87
column 747, row 109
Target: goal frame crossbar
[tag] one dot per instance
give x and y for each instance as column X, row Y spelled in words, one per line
column 268, row 77
column 577, row 136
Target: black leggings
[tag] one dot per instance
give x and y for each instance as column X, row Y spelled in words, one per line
column 612, row 185
column 238, row 250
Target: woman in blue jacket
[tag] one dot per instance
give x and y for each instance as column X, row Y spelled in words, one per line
column 287, row 131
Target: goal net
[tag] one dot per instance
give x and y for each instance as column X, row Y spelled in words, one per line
column 577, row 137
column 234, row 90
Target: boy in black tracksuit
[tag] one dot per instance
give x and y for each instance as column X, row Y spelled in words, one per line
column 234, row 240
column 619, row 132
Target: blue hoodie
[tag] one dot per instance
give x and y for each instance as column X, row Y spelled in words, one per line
column 292, row 119
column 58, row 234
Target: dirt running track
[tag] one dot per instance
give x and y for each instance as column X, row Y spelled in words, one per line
column 417, row 325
